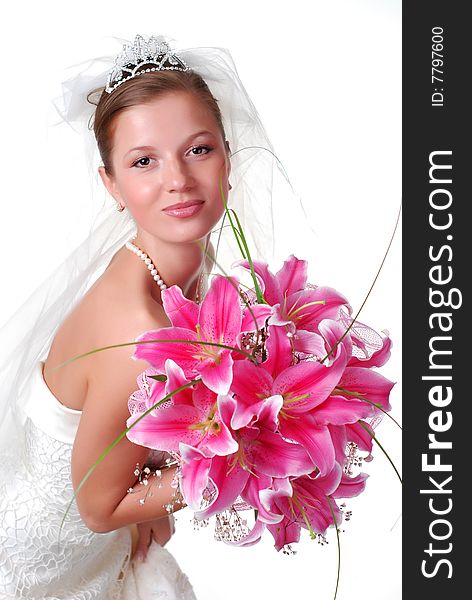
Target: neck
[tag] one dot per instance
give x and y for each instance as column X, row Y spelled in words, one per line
column 178, row 264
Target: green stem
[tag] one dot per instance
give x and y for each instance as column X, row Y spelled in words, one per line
column 242, row 243
column 260, row 296
column 382, row 448
column 116, row 441
column 236, row 287
column 370, row 289
column 202, row 343
column 339, row 547
column 356, row 395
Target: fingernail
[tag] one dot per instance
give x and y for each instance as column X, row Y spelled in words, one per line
column 139, row 556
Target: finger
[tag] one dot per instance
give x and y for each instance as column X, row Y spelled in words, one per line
column 162, row 530
column 145, row 531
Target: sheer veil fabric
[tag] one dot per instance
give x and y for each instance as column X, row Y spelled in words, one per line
column 261, row 195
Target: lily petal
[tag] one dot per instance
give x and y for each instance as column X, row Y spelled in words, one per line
column 351, row 486
column 267, row 280
column 303, row 310
column 220, row 312
column 259, row 312
column 337, row 410
column 285, row 532
column 251, row 386
column 279, row 350
column 371, row 385
column 251, row 494
column 217, row 374
column 309, row 342
column 164, row 429
column 357, row 434
column 195, row 469
column 156, row 353
column 292, row 275
column 274, row 456
column 315, row 438
column 175, row 379
column 252, row 537
column 229, row 480
column 181, row 311
column 307, row 384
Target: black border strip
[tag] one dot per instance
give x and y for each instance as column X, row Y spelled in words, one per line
column 437, row 247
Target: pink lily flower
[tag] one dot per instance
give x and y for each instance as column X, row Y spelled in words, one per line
column 349, row 487
column 193, row 419
column 367, row 384
column 360, row 433
column 304, row 388
column 262, row 455
column 304, row 416
column 269, row 516
column 309, row 502
column 194, row 477
column 218, row 320
column 284, row 533
column 293, row 304
column 287, row 530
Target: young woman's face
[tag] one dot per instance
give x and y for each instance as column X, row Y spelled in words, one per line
column 168, row 159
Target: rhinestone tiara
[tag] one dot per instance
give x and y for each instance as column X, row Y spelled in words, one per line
column 143, row 56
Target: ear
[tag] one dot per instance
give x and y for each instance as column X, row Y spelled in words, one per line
column 228, row 159
column 110, row 184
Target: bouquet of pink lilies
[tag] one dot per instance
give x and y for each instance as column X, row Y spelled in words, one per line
column 265, row 396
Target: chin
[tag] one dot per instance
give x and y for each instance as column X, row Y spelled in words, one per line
column 190, row 230
column 186, row 233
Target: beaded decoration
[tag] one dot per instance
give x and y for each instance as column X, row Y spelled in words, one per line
column 144, row 56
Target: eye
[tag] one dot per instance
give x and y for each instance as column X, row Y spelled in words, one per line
column 142, row 162
column 200, row 150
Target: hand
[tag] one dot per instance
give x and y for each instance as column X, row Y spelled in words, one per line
column 160, row 530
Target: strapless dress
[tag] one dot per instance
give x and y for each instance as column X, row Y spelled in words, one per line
column 37, row 563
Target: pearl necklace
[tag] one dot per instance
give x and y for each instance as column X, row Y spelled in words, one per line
column 154, row 272
column 148, row 262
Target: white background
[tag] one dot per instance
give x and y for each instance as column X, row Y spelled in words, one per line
column 325, row 77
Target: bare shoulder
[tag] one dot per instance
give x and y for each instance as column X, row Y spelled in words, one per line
column 119, row 315
column 114, row 312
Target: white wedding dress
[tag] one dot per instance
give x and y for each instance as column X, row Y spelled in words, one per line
column 80, row 565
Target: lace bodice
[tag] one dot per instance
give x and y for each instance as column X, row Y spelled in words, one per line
column 40, row 560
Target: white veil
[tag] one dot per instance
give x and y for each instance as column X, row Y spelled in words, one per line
column 261, row 195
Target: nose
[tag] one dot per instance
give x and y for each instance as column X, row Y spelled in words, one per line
column 178, row 176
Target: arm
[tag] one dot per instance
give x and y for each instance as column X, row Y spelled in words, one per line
column 103, row 501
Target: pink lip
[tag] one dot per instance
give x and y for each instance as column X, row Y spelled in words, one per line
column 184, row 209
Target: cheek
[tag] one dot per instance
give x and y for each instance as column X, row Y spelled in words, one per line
column 216, row 175
column 140, row 191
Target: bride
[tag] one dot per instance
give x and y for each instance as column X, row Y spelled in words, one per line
column 166, row 126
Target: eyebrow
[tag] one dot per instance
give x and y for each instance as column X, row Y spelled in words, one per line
column 190, row 137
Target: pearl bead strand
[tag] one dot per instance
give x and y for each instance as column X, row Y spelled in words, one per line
column 148, row 262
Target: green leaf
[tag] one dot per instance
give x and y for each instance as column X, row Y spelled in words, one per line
column 162, row 378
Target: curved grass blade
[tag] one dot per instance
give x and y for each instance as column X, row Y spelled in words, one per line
column 339, row 547
column 115, row 442
column 370, row 289
column 382, row 448
column 122, row 345
column 241, row 295
column 242, row 243
column 356, row 395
